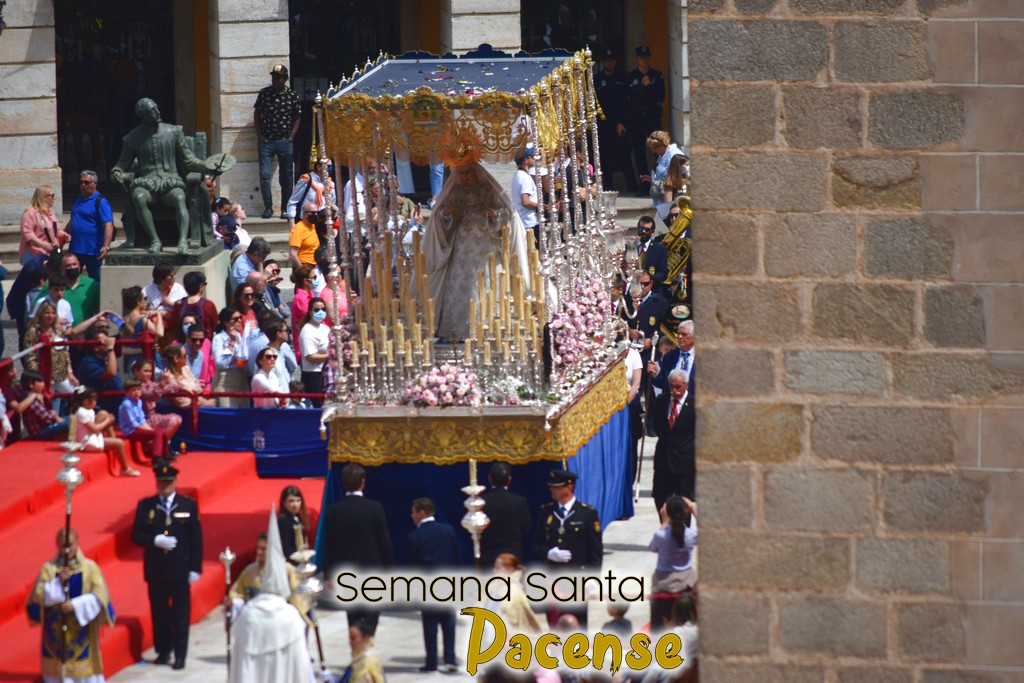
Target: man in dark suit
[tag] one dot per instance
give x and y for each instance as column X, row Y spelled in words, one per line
column 675, row 465
column 356, row 536
column 645, row 93
column 610, row 89
column 649, row 313
column 653, row 256
column 568, row 534
column 167, row 527
column 682, row 358
column 509, row 514
column 433, row 546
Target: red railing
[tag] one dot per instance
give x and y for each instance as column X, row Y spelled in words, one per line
column 147, row 343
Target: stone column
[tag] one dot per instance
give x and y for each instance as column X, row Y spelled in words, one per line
column 246, row 40
column 28, row 106
column 678, row 75
column 465, row 24
column 857, row 174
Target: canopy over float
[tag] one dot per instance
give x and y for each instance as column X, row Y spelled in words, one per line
column 540, row 371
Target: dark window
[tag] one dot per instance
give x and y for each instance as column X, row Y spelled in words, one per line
column 574, row 24
column 328, row 41
column 110, row 53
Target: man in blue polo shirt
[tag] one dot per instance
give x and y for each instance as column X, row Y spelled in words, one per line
column 91, row 226
column 98, row 367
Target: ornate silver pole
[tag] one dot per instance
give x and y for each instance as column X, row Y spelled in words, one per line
column 70, row 476
column 227, row 558
column 542, row 242
column 587, row 134
column 475, row 520
column 310, row 588
column 592, row 120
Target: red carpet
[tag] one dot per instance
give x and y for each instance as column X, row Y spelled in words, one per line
column 233, row 502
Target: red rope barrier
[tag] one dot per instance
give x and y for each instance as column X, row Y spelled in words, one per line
column 147, row 343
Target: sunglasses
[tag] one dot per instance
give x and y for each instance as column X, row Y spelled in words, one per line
column 193, row 340
column 248, row 295
column 646, row 284
column 319, row 309
column 270, row 356
column 86, row 182
column 50, row 196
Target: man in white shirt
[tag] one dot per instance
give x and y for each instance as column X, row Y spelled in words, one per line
column 524, row 192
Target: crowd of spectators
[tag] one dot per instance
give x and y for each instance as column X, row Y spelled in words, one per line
column 169, row 346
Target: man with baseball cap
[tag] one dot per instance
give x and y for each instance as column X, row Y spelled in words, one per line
column 276, row 117
column 167, row 527
column 524, row 192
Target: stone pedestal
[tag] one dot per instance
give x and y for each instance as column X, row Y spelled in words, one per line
column 126, row 267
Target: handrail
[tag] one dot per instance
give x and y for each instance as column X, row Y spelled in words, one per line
column 147, row 341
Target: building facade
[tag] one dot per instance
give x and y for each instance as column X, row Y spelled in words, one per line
column 70, row 72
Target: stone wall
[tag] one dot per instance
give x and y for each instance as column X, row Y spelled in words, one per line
column 465, row 24
column 247, row 38
column 678, row 75
column 857, row 169
column 28, row 106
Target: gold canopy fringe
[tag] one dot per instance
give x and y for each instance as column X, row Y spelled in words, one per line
column 431, row 436
column 425, row 125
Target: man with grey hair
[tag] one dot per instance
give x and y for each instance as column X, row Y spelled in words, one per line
column 681, row 358
column 675, row 464
column 91, row 225
column 249, row 262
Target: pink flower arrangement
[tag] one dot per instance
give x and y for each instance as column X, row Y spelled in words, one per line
column 580, row 320
column 349, row 331
column 447, row 385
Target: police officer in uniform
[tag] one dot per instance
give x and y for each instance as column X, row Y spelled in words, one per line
column 610, row 88
column 568, row 534
column 167, row 527
column 645, row 93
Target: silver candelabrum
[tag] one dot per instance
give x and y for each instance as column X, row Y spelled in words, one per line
column 475, row 520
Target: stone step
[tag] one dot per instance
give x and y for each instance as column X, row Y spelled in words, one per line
column 275, row 231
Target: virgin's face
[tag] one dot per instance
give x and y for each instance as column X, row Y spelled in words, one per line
column 468, row 175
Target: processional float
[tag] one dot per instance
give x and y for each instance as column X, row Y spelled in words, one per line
column 540, row 371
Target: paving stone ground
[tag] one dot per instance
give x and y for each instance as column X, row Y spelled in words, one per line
column 399, row 634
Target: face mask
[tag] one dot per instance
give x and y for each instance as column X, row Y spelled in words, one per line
column 72, row 273
column 319, row 316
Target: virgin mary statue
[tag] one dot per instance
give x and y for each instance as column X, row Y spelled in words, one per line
column 464, row 229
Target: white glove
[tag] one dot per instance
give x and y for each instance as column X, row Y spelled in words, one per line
column 193, row 577
column 165, row 542
column 559, row 555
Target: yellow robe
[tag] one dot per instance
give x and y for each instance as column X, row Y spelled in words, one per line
column 365, row 668
column 248, row 586
column 83, row 650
